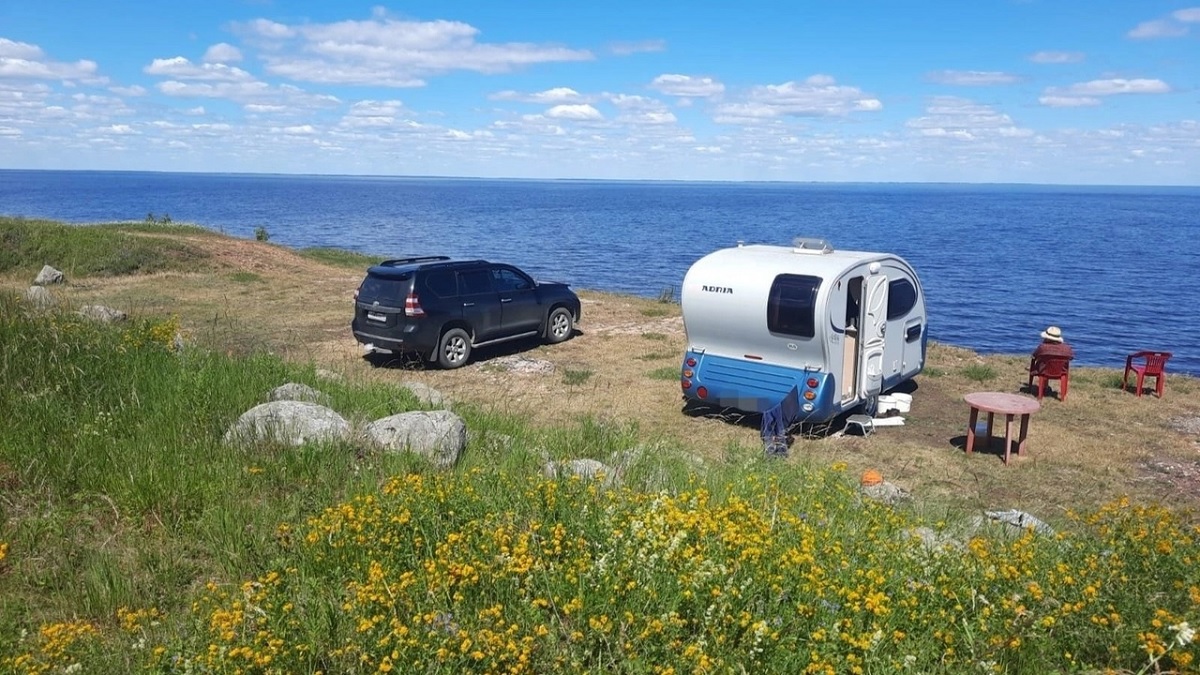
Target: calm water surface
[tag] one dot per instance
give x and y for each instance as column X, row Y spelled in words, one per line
column 1115, row 267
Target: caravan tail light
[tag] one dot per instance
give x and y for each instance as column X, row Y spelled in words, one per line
column 685, row 384
column 809, row 395
column 812, row 382
column 702, row 392
column 412, row 306
column 687, row 372
column 691, row 362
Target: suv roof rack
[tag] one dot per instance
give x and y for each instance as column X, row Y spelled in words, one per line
column 418, row 259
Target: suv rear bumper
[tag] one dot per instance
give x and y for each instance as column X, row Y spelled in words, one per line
column 409, row 338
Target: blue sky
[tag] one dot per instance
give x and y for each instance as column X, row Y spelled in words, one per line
column 1039, row 91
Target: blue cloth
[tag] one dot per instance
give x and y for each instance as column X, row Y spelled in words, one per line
column 775, row 422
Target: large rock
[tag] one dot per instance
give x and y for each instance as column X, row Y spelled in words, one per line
column 39, row 297
column 438, row 435
column 292, row 423
column 102, row 313
column 587, row 469
column 295, row 391
column 426, row 394
column 48, row 276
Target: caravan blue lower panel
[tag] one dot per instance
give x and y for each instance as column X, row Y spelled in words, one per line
column 753, row 386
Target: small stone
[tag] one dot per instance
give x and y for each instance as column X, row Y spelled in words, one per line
column 102, row 313
column 48, row 276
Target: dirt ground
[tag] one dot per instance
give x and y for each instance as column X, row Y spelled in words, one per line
column 1100, row 444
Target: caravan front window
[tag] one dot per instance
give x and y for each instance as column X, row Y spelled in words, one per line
column 791, row 305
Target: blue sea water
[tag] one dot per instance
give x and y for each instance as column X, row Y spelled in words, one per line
column 1115, row 267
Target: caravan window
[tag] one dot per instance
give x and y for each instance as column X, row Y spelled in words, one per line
column 791, row 305
column 902, row 297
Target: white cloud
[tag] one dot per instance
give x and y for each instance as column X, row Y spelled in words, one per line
column 1189, row 15
column 1057, row 57
column 10, row 49
column 10, row 131
column 579, row 112
column 1158, row 28
column 627, row 48
column 249, row 92
column 388, row 52
column 549, row 96
column 962, row 119
column 1113, row 86
column 971, row 78
column 1068, row 101
column 298, row 130
column 817, row 96
column 180, row 68
column 27, row 61
column 222, row 52
column 118, row 129
column 135, row 90
column 687, row 86
column 373, row 114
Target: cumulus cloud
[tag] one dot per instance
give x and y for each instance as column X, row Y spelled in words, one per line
column 1068, row 101
column 373, row 114
column 249, row 92
column 180, row 68
column 1087, row 93
column 578, row 112
column 27, row 61
column 222, row 52
column 627, row 48
column 817, row 96
column 971, row 78
column 961, row 119
column 687, row 86
column 383, row 51
column 1173, row 25
column 549, row 96
column 1057, row 57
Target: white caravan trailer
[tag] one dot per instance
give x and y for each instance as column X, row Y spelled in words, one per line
column 840, row 327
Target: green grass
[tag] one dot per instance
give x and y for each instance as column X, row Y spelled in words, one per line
column 93, row 250
column 243, row 277
column 125, row 520
column 979, row 372
column 657, row 356
column 576, row 376
column 653, row 312
column 664, row 373
column 340, row 257
column 657, row 337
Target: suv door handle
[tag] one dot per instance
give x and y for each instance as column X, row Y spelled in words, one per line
column 505, row 299
column 468, row 304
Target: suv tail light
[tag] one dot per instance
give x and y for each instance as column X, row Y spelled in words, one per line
column 356, row 294
column 412, row 306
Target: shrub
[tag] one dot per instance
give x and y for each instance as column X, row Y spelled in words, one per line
column 574, row 376
column 979, row 372
column 261, row 234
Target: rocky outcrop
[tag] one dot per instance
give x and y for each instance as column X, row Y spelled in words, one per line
column 39, row 297
column 587, row 469
column 426, row 394
column 292, row 423
column 438, row 435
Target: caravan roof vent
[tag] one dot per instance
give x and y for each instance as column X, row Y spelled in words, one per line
column 811, row 245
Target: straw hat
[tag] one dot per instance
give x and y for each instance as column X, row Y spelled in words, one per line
column 1053, row 334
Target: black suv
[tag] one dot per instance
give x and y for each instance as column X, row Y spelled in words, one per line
column 442, row 308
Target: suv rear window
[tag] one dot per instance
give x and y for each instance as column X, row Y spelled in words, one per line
column 385, row 290
column 791, row 305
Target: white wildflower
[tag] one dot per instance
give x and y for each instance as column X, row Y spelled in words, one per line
column 1184, row 634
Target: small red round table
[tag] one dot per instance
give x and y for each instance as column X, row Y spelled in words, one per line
column 1009, row 405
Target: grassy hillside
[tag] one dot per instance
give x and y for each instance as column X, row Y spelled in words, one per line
column 132, row 538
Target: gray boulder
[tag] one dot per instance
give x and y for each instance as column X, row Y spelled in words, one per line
column 426, row 394
column 588, row 469
column 102, row 314
column 438, row 435
column 39, row 297
column 885, row 492
column 1020, row 520
column 292, row 423
column 48, row 276
column 295, row 391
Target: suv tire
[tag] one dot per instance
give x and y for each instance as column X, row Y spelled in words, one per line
column 560, row 325
column 454, row 349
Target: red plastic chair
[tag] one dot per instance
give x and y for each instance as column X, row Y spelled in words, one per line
column 1051, row 367
column 1153, row 364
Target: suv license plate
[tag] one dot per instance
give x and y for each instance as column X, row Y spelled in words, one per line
column 376, row 316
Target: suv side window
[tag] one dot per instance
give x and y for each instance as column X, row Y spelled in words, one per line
column 506, row 279
column 442, row 283
column 791, row 305
column 474, row 282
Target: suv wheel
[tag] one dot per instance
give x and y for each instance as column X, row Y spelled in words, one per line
column 454, row 349
column 560, row 325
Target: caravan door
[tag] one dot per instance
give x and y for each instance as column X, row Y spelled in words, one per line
column 873, row 335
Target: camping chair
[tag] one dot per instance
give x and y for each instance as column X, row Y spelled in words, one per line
column 1153, row 364
column 1051, row 367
